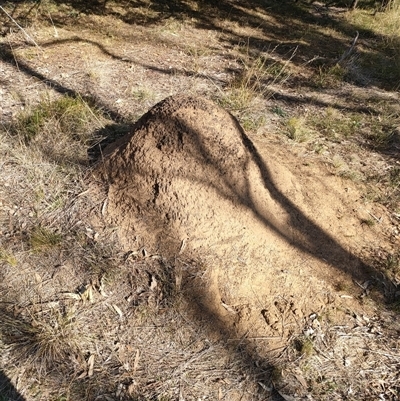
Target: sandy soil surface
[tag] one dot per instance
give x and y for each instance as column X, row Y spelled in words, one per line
column 278, row 236
column 268, row 246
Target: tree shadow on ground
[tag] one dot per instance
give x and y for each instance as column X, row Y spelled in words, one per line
column 368, row 108
column 7, row 390
column 312, row 239
column 121, row 127
column 330, row 250
column 316, row 40
column 321, row 38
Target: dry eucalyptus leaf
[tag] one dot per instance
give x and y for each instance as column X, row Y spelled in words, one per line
column 153, row 284
column 90, row 365
column 72, row 295
column 136, row 363
column 118, row 310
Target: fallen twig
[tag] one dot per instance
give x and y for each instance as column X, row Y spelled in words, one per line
column 20, row 27
column 349, row 51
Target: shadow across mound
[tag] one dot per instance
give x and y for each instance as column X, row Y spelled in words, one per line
column 188, row 184
column 189, row 173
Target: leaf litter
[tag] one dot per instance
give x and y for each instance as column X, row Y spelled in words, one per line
column 171, row 343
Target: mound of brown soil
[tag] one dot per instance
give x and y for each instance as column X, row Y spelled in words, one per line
column 187, row 174
column 189, row 177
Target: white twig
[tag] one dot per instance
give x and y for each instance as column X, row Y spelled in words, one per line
column 20, row 27
column 348, row 52
column 12, row 51
column 379, row 220
column 55, row 29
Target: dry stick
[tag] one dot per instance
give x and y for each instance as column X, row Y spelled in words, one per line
column 20, row 27
column 55, row 29
column 286, row 64
column 348, row 52
column 12, row 51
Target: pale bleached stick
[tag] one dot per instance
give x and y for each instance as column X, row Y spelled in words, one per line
column 20, row 27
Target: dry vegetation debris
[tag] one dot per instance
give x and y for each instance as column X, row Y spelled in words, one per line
column 82, row 317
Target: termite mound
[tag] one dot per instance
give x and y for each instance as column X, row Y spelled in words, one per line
column 187, row 174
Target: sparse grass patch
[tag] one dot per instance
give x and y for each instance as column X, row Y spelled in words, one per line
column 388, row 183
column 330, row 76
column 59, row 128
column 44, row 339
column 382, row 57
column 383, row 67
column 343, row 286
column 173, row 25
column 42, row 239
column 296, row 128
column 393, row 263
column 252, row 81
column 142, row 93
column 379, row 138
column 197, row 52
column 70, row 114
column 304, row 346
column 276, row 373
column 342, row 169
column 279, row 111
column 8, row 257
column 347, row 173
column 381, row 131
column 368, row 222
column 334, row 125
column 252, row 123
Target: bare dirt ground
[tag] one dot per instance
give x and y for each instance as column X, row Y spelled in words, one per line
column 198, row 259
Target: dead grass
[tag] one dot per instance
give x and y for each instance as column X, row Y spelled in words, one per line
column 59, row 129
column 381, row 65
column 252, row 83
column 100, row 324
column 45, row 340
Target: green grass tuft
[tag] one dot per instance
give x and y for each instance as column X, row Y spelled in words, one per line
column 296, row 129
column 8, row 257
column 330, row 77
column 43, row 239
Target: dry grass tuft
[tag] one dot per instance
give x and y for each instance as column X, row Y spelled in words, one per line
column 44, row 340
column 42, row 239
column 256, row 74
column 330, row 76
column 297, row 129
column 60, row 129
column 99, row 324
column 8, row 257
